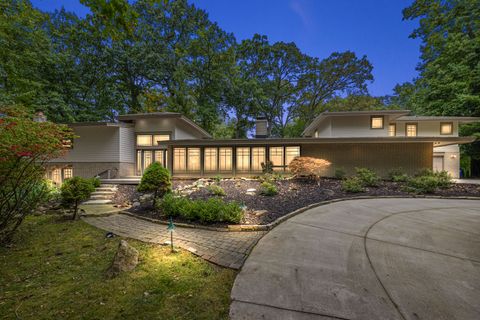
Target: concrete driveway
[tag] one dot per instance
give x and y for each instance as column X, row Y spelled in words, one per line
column 366, row 259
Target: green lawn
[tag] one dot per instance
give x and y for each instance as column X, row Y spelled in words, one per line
column 55, row 270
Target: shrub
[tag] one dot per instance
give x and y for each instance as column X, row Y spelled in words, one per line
column 268, row 189
column 156, row 179
column 309, row 167
column 340, row 173
column 217, row 179
column 428, row 181
column 353, row 185
column 25, row 147
column 95, row 182
column 74, row 191
column 205, row 211
column 216, row 190
column 397, row 175
column 367, row 177
column 267, row 167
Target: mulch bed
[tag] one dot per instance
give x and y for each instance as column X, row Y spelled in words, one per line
column 292, row 195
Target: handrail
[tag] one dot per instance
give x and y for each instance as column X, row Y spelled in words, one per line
column 110, row 174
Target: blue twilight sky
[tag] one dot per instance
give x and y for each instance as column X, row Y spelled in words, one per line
column 319, row 27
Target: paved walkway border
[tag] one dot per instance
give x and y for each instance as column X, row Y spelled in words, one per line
column 273, row 224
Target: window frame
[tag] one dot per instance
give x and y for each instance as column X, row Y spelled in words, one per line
column 451, row 128
column 152, row 135
column 371, row 122
column 394, row 125
column 411, row 124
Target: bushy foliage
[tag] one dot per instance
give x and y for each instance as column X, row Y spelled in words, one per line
column 340, row 173
column 267, row 167
column 309, row 167
column 95, row 182
column 268, row 189
column 25, row 146
column 74, row 191
column 353, row 185
column 156, row 179
column 397, row 175
column 367, row 177
column 205, row 211
column 216, row 190
column 428, row 181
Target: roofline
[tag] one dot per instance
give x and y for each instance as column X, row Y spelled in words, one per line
column 441, row 141
column 98, row 124
column 135, row 116
column 326, row 114
column 441, row 118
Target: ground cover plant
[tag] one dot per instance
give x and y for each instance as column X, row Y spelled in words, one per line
column 55, row 269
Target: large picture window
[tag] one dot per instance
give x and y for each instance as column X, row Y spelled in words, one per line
column 291, row 153
column 160, row 137
column 179, row 159
column 243, row 159
column 160, row 157
column 258, row 157
column 210, row 159
column 193, row 160
column 276, row 157
column 144, row 140
column 225, row 159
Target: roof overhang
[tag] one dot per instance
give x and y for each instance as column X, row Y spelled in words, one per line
column 309, row 130
column 437, row 141
column 166, row 115
column 98, row 124
column 440, row 118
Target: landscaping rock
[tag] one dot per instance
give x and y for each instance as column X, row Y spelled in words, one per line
column 136, row 204
column 251, row 191
column 260, row 212
column 126, row 259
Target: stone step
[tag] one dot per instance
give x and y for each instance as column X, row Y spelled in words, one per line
column 106, row 189
column 107, row 193
column 107, row 185
column 98, row 201
column 100, row 196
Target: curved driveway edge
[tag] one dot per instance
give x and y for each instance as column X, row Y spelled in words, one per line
column 366, row 259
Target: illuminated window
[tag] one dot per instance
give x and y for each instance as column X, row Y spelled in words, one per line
column 411, row 129
column 147, row 159
column 243, row 159
column 193, row 159
column 291, row 153
column 160, row 137
column 225, row 159
column 258, row 157
column 144, row 140
column 210, row 155
column 67, row 143
column 376, row 122
column 276, row 156
column 179, row 159
column 392, row 130
column 446, row 128
column 139, row 162
column 159, row 157
column 57, row 176
column 67, row 173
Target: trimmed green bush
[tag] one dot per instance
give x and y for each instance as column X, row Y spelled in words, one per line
column 353, row 185
column 267, row 167
column 95, row 182
column 268, row 189
column 367, row 177
column 74, row 191
column 205, row 211
column 397, row 175
column 340, row 173
column 156, row 179
column 216, row 190
column 428, row 181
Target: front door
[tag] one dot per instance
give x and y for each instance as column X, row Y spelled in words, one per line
column 438, row 163
column 147, row 157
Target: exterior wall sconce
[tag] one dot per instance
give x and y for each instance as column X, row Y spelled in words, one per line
column 453, row 156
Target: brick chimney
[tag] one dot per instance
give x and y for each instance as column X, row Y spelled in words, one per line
column 261, row 127
column 40, row 117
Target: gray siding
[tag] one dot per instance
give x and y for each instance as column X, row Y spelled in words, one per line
column 127, row 144
column 94, row 144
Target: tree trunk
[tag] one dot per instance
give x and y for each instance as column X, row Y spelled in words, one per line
column 75, row 209
column 154, row 198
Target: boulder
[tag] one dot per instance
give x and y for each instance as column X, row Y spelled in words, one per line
column 126, row 259
column 260, row 212
column 135, row 204
column 251, row 191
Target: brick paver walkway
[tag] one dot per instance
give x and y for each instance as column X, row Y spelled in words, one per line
column 228, row 249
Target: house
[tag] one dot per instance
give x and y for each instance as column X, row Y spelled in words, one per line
column 380, row 140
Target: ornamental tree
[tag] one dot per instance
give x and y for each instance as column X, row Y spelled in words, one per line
column 74, row 191
column 307, row 166
column 156, row 179
column 25, row 146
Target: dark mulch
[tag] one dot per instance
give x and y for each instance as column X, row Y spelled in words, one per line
column 292, row 195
